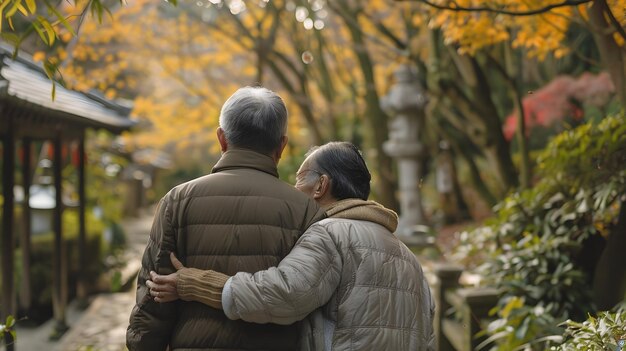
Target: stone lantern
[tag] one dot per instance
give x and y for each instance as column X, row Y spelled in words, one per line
column 405, row 103
column 42, row 201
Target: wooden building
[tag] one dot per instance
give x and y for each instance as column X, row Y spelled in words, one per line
column 27, row 114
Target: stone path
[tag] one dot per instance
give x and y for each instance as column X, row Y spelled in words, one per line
column 102, row 326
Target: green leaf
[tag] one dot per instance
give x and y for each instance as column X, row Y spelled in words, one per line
column 32, row 5
column 48, row 28
column 10, row 322
column 10, row 37
column 60, row 17
column 40, row 31
column 51, row 70
column 3, row 5
column 22, row 10
column 492, row 338
column 13, row 8
column 96, row 9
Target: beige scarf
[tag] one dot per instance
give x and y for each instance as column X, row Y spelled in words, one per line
column 364, row 211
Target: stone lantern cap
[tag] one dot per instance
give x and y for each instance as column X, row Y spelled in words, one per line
column 42, row 197
column 42, row 194
column 406, row 95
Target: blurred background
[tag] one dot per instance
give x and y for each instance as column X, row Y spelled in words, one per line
column 494, row 128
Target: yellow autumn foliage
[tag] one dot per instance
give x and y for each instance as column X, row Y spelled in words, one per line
column 39, row 56
column 538, row 35
column 180, row 64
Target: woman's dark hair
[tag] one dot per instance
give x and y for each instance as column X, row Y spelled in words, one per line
column 343, row 163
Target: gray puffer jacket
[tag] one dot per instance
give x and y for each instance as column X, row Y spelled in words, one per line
column 365, row 288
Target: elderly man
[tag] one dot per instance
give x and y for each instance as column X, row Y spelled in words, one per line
column 240, row 217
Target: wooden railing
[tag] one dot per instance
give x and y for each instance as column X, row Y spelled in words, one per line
column 461, row 312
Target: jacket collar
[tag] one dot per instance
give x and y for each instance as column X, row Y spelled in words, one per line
column 365, row 211
column 242, row 158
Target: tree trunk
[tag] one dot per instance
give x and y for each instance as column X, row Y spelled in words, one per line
column 496, row 147
column 260, row 63
column 525, row 167
column 471, row 96
column 474, row 172
column 514, row 76
column 461, row 148
column 485, row 135
column 609, row 282
column 300, row 99
column 611, row 54
column 378, row 120
column 327, row 88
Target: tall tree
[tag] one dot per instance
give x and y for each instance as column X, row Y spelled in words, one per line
column 540, row 27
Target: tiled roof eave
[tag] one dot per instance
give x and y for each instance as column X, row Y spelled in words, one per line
column 24, row 83
column 28, row 108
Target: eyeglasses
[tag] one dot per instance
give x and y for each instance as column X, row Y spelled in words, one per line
column 299, row 179
column 308, row 170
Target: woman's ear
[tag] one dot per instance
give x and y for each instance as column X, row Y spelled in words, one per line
column 322, row 188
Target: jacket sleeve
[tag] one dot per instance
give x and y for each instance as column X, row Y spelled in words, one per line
column 303, row 281
column 428, row 329
column 151, row 323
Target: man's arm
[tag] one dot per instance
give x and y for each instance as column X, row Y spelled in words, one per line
column 151, row 323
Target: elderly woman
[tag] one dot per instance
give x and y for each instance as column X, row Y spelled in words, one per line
column 355, row 285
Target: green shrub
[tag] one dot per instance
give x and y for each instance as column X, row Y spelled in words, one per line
column 538, row 248
column 596, row 333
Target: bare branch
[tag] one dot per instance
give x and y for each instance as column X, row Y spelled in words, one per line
column 537, row 11
column 615, row 22
column 350, row 19
column 401, row 45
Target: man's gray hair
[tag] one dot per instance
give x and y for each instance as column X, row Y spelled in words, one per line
column 254, row 118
